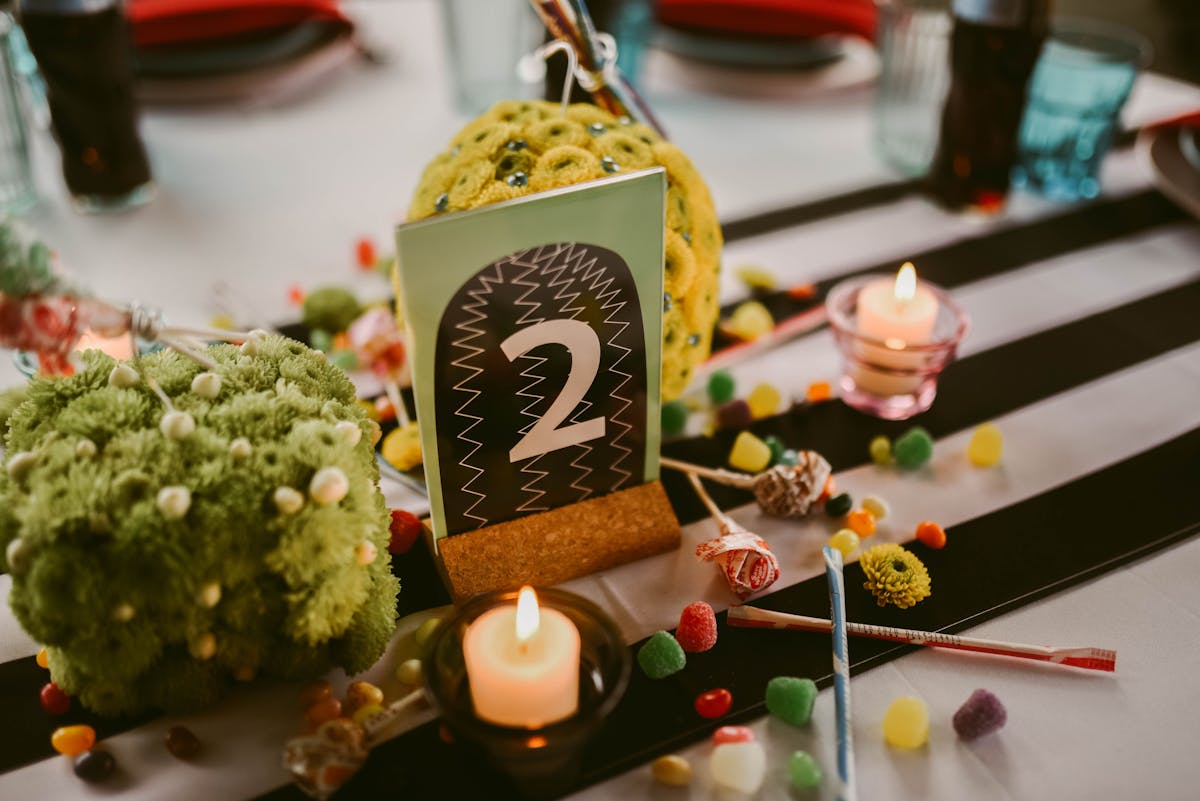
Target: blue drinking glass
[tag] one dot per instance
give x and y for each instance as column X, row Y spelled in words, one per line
column 1075, row 97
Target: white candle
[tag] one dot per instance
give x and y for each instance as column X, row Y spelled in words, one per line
column 898, row 313
column 523, row 664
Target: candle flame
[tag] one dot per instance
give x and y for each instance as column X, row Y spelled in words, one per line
column 527, row 614
column 906, row 282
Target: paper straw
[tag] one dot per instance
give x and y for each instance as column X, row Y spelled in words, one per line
column 1087, row 658
column 841, row 676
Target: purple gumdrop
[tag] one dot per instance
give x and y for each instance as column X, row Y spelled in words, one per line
column 735, row 414
column 980, row 714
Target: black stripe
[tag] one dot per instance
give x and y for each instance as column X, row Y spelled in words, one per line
column 992, row 565
column 811, row 211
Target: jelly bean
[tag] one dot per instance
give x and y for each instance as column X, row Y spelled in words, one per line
column 913, row 448
column 365, row 712
column 845, row 541
column 54, row 700
column 828, row 491
column 426, row 630
column 757, row 278
column 818, row 391
column 803, row 770
column 321, row 712
column 721, row 386
column 764, row 400
column 881, row 451
column 802, row 291
column 986, row 445
column 671, row 770
column 360, row 694
column 320, row 339
column 740, row 767
column 749, row 321
column 73, row 740
column 732, row 734
column 861, row 522
column 364, row 254
column 791, row 699
column 839, row 505
column 749, row 453
column 42, row 659
column 877, row 506
column 405, row 528
column 674, row 418
column 980, row 714
column 776, row 445
column 95, row 765
column 697, row 629
column 660, row 656
column 931, row 534
column 906, row 723
column 182, row 742
column 735, row 414
column 313, row 692
column 713, row 703
column 409, row 672
column 295, row 295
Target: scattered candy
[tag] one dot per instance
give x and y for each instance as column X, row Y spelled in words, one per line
column 314, row 692
column 839, row 505
column 744, row 558
column 674, row 417
column 740, row 767
column 288, row 500
column 931, row 534
column 177, row 425
column 321, row 712
column 749, row 321
column 818, row 391
column 713, row 703
column 697, row 629
column 73, row 740
column 295, row 295
column 777, row 450
column 757, row 278
column 791, row 490
column 906, row 723
column 877, row 506
column 802, row 291
column 320, row 340
column 913, row 448
column 42, row 658
column 803, row 770
column 360, row 694
column 732, row 734
column 329, row 485
column 402, row 447
column 881, row 451
column 749, row 453
column 764, row 400
column 409, row 672
column 791, row 699
column 366, row 712
column 735, row 414
column 94, row 765
column 54, row 700
column 364, row 252
column 986, row 445
column 861, row 522
column 672, row 770
column 405, row 528
column 894, row 575
column 829, row 490
column 845, row 541
column 980, row 714
column 661, row 656
column 174, row 502
column 721, row 386
column 426, row 630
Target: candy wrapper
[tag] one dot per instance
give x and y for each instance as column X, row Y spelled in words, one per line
column 783, row 490
column 745, row 558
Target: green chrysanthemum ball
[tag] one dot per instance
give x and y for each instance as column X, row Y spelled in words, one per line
column 163, row 554
column 520, row 147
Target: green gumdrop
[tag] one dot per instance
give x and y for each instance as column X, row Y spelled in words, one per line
column 789, row 457
column 330, row 308
column 674, row 417
column 776, row 445
column 721, row 386
column 791, row 699
column 320, row 339
column 804, row 771
column 913, row 448
column 661, row 656
column 839, row 505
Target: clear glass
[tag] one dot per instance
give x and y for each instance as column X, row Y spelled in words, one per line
column 914, row 51
column 485, row 39
column 1078, row 88
column 16, row 174
column 632, row 26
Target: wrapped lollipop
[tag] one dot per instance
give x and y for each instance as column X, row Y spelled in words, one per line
column 379, row 345
column 782, row 491
column 745, row 558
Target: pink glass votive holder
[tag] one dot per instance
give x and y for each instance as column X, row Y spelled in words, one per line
column 892, row 379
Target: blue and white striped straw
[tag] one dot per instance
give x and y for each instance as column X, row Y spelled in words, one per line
column 841, row 676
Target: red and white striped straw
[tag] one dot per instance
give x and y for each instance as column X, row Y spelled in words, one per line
column 1087, row 658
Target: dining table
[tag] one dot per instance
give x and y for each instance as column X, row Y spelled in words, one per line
column 1083, row 350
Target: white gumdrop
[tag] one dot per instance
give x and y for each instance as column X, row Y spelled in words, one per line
column 177, row 425
column 174, row 502
column 206, row 385
column 329, row 485
column 85, row 449
column 20, row 464
column 288, row 500
column 349, row 432
column 123, row 376
column 241, row 448
column 740, row 767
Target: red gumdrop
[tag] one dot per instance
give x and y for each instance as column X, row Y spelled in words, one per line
column 364, row 252
column 405, row 528
column 54, row 700
column 732, row 734
column 697, row 629
column 714, row 703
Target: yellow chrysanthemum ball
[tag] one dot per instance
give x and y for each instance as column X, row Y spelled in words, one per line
column 520, row 147
column 895, row 575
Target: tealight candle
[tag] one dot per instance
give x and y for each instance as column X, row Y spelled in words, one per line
column 897, row 313
column 523, row 664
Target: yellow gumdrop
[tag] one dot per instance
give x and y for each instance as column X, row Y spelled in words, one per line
column 986, row 446
column 369, row 408
column 845, row 541
column 755, row 277
column 906, row 723
column 749, row 453
column 402, row 447
column 750, row 320
column 764, row 401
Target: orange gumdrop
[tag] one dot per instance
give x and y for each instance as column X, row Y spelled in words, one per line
column 931, row 534
column 862, row 523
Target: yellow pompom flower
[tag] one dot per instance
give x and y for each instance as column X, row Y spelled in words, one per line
column 894, row 575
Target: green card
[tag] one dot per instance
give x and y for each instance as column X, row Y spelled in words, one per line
column 535, row 331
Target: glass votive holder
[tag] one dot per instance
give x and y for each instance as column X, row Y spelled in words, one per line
column 892, row 379
column 543, row 762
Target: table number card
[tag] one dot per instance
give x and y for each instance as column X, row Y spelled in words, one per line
column 536, row 349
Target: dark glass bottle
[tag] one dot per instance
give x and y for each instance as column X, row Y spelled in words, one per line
column 993, row 50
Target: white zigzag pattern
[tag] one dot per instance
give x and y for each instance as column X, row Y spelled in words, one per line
column 532, row 261
column 585, row 405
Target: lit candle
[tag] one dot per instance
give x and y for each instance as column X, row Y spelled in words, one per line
column 523, row 664
column 897, row 313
